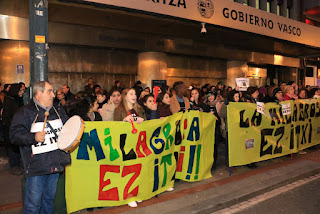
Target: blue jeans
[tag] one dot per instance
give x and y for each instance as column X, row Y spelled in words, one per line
column 40, row 193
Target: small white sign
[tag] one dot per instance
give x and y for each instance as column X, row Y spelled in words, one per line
column 249, row 143
column 50, row 142
column 260, row 107
column 286, row 109
column 242, row 83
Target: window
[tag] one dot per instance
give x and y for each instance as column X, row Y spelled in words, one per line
column 245, row 2
column 278, row 10
column 268, row 6
column 288, row 12
column 257, row 4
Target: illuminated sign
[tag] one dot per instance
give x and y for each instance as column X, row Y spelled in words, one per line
column 227, row 14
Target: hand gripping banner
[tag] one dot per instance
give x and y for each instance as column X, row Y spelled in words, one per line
column 112, row 166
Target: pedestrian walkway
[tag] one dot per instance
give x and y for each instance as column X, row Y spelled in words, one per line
column 207, row 196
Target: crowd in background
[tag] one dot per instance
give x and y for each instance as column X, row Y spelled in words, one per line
column 138, row 104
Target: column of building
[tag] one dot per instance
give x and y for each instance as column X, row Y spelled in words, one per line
column 283, row 8
column 235, row 69
column 252, row 3
column 294, row 10
column 273, row 6
column 152, row 66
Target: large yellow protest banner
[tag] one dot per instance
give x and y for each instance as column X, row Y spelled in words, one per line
column 279, row 129
column 113, row 167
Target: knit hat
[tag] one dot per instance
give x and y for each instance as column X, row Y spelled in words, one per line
column 262, row 90
column 276, row 90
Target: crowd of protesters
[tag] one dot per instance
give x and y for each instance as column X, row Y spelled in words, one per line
column 137, row 104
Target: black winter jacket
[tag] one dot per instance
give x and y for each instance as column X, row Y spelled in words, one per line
column 39, row 164
column 10, row 107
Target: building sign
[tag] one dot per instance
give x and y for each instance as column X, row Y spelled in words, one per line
column 158, row 83
column 20, row 69
column 227, row 14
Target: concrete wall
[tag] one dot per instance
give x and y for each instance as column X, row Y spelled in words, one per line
column 70, row 65
column 74, row 65
column 195, row 71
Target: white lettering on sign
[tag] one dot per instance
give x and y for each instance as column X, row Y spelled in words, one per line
column 50, row 142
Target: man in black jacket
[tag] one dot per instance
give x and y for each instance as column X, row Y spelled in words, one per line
column 67, row 93
column 40, row 154
column 88, row 89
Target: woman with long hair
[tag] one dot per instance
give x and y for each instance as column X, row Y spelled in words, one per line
column 107, row 110
column 195, row 99
column 163, row 100
column 86, row 108
column 128, row 109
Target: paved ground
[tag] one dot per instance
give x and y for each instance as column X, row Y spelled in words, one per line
column 207, row 196
column 293, row 199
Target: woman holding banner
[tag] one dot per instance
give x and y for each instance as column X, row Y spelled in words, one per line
column 210, row 106
column 252, row 95
column 128, row 109
column 315, row 93
column 195, row 100
column 289, row 93
column 232, row 96
column 150, row 107
column 277, row 96
column 302, row 94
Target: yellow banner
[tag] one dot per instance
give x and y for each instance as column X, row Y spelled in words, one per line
column 113, row 167
column 279, row 129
